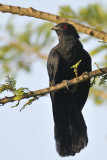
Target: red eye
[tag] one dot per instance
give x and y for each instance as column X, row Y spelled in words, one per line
column 64, row 26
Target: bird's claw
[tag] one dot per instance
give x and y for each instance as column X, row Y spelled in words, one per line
column 67, row 84
column 83, row 74
column 76, row 77
column 51, row 84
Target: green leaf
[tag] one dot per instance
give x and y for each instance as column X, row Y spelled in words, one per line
column 67, row 12
column 103, row 79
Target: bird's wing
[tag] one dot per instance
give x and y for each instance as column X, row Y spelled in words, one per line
column 53, row 65
column 81, row 94
column 87, row 61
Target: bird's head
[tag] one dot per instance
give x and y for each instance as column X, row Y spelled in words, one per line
column 65, row 30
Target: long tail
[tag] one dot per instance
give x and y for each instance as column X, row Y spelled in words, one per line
column 70, row 129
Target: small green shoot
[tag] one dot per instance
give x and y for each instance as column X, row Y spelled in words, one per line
column 76, row 68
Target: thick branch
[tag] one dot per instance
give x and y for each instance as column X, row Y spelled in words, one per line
column 53, row 18
column 57, row 87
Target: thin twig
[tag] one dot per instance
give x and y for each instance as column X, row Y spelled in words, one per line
column 24, row 47
column 29, row 49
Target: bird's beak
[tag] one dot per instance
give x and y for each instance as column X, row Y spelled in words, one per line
column 55, row 28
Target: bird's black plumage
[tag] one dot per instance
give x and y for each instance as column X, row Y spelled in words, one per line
column 70, row 128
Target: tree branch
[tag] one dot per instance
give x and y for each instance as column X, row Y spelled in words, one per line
column 24, row 47
column 57, row 87
column 27, row 48
column 53, row 18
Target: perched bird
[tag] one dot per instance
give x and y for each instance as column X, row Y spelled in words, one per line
column 70, row 129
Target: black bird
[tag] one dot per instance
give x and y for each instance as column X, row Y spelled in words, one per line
column 70, row 128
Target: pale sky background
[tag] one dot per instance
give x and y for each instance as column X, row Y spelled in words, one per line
column 29, row 135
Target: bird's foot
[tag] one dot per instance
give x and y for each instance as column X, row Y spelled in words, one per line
column 67, row 84
column 85, row 73
column 51, row 84
column 77, row 78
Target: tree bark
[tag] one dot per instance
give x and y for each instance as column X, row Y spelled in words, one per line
column 53, row 18
column 42, row 92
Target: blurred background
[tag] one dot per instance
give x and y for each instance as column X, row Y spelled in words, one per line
column 25, row 43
